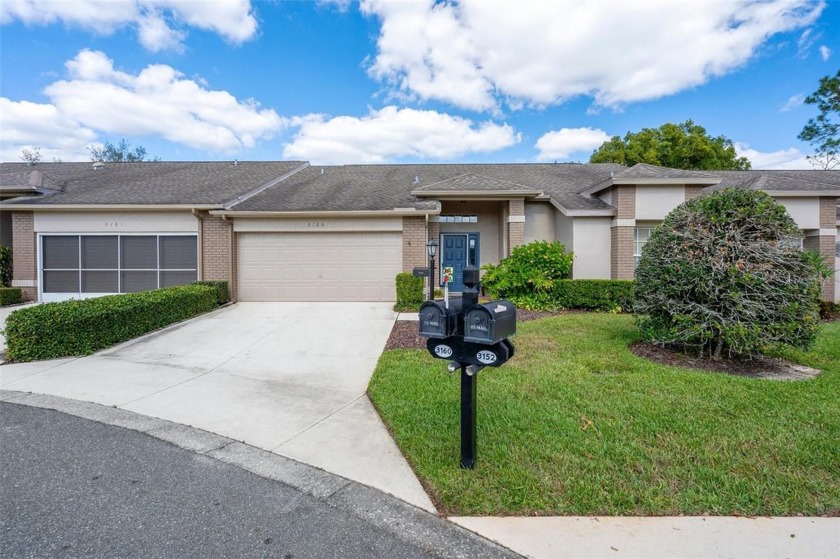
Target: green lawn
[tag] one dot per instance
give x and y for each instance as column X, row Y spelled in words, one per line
column 662, row 441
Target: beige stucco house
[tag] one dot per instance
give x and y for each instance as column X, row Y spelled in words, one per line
column 288, row 230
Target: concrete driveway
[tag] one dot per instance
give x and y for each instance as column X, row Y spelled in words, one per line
column 286, row 377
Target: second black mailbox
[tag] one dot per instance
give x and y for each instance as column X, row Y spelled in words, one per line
column 436, row 321
column 490, row 323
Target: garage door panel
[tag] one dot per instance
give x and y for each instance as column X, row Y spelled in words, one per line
column 319, row 266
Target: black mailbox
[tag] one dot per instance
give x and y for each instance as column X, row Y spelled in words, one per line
column 436, row 321
column 490, row 323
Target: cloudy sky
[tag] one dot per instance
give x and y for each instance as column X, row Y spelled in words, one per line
column 336, row 81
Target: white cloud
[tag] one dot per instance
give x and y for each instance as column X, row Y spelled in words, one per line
column 30, row 125
column 159, row 23
column 156, row 101
column 478, row 54
column 790, row 158
column 392, row 133
column 825, row 52
column 793, row 102
column 560, row 144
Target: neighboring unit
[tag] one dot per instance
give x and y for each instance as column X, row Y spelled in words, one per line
column 290, row 231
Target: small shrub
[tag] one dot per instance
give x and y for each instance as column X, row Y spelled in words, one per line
column 529, row 274
column 718, row 275
column 10, row 296
column 5, row 266
column 409, row 292
column 222, row 290
column 81, row 327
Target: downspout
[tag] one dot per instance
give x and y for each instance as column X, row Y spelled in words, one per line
column 200, row 270
column 234, row 290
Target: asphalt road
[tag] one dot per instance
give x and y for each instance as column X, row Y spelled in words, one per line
column 71, row 487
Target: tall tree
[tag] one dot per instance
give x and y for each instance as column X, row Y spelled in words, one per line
column 821, row 131
column 679, row 146
column 31, row 155
column 121, row 152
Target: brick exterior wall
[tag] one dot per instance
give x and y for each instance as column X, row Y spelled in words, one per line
column 24, row 254
column 622, row 264
column 414, row 243
column 515, row 230
column 218, row 251
column 825, row 244
column 692, row 191
column 828, row 215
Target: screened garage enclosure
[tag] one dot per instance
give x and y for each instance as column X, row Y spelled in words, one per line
column 78, row 266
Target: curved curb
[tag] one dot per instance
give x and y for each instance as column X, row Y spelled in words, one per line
column 404, row 521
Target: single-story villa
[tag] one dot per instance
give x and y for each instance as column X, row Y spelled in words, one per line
column 291, row 231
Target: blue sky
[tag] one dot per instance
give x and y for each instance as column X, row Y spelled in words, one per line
column 407, row 81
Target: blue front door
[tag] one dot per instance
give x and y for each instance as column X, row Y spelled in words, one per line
column 459, row 250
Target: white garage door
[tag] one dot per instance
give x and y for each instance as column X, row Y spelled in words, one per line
column 319, row 266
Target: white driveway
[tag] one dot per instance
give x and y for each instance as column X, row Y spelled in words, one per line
column 286, row 377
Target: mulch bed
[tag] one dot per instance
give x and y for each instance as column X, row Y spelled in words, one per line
column 757, row 367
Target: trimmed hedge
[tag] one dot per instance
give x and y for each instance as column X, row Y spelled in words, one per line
column 5, row 266
column 409, row 292
column 601, row 295
column 10, row 296
column 81, row 327
column 222, row 290
column 587, row 294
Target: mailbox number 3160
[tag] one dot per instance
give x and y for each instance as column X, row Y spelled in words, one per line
column 443, row 351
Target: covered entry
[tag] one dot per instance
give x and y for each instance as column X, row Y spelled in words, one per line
column 318, row 266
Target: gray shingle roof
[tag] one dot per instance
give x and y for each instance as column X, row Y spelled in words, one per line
column 803, row 181
column 645, row 171
column 385, row 187
column 472, row 183
column 196, row 183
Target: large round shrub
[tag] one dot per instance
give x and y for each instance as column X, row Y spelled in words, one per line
column 721, row 274
column 528, row 276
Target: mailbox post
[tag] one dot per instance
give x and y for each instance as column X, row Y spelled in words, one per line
column 472, row 336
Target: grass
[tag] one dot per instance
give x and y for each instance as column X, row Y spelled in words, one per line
column 575, row 424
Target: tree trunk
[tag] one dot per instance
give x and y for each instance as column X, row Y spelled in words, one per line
column 718, row 349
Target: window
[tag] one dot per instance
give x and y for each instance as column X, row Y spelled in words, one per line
column 793, row 241
column 642, row 236
column 457, row 219
column 98, row 264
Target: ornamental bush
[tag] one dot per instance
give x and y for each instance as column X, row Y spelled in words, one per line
column 409, row 292
column 529, row 275
column 721, row 275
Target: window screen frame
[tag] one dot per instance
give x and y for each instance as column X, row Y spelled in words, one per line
column 118, row 269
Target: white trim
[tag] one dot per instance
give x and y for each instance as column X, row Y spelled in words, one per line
column 623, row 223
column 516, row 219
column 332, row 213
column 317, row 225
column 24, row 283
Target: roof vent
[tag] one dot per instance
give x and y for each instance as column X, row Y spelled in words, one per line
column 416, row 179
column 98, row 165
column 322, row 170
column 235, row 162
